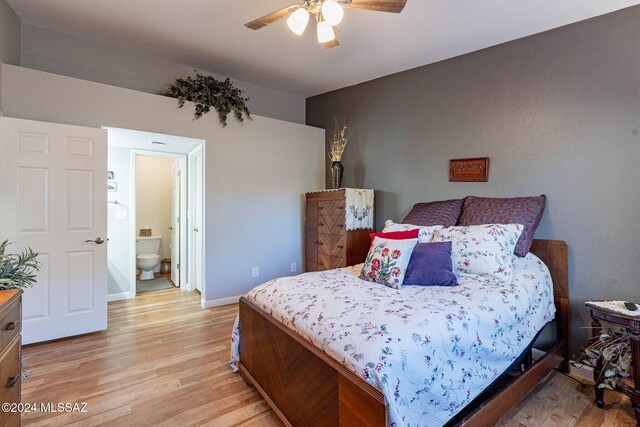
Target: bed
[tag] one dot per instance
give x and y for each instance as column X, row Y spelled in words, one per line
column 329, row 349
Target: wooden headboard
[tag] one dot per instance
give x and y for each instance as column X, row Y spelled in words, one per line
column 554, row 253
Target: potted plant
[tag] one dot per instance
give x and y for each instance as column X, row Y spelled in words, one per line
column 610, row 355
column 17, row 271
column 209, row 93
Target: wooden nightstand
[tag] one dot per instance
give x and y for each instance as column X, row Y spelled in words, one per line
column 631, row 386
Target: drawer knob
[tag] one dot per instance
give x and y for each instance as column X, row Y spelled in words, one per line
column 340, row 225
column 320, row 243
column 320, row 225
column 320, row 207
column 340, row 207
column 11, row 326
column 340, row 246
column 13, row 381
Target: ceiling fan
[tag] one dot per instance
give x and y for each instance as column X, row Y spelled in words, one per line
column 328, row 14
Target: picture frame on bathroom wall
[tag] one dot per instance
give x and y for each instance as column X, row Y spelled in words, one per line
column 112, row 186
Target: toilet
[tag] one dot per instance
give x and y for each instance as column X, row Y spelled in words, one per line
column 147, row 256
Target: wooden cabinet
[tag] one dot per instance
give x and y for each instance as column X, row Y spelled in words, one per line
column 10, row 354
column 629, row 386
column 328, row 243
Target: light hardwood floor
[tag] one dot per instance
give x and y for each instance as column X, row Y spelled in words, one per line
column 164, row 362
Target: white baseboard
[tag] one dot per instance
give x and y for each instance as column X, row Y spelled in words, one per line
column 118, row 297
column 583, row 373
column 219, row 302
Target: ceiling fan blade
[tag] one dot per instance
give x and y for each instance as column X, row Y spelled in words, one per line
column 272, row 17
column 392, row 6
column 333, row 43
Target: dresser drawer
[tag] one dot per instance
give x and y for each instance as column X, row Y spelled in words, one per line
column 332, row 244
column 10, row 381
column 331, row 225
column 328, row 262
column 331, row 207
column 10, row 322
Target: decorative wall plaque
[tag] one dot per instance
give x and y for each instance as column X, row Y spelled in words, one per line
column 469, row 170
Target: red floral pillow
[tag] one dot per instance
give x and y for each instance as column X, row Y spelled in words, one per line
column 396, row 235
column 387, row 261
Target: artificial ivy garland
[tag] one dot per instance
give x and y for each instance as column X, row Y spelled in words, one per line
column 207, row 93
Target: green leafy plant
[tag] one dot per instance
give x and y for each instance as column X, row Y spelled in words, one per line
column 613, row 349
column 17, row 270
column 209, row 93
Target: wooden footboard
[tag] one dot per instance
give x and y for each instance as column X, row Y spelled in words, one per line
column 306, row 387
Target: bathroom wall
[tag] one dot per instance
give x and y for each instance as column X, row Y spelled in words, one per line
column 153, row 198
column 118, row 254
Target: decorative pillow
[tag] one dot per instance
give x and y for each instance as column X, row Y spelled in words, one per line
column 430, row 265
column 424, row 236
column 387, row 261
column 396, row 235
column 444, row 213
column 518, row 210
column 482, row 250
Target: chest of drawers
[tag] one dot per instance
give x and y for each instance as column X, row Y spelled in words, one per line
column 10, row 354
column 328, row 243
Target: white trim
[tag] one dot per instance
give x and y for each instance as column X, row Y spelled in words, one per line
column 582, row 372
column 219, row 302
column 118, row 297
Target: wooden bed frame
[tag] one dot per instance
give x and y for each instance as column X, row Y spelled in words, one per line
column 306, row 387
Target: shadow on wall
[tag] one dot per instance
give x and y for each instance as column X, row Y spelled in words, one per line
column 359, row 168
column 386, row 208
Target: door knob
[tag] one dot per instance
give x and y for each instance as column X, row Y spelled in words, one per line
column 97, row 241
column 196, row 229
column 170, row 228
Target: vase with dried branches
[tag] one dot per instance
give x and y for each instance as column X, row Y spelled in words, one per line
column 341, row 135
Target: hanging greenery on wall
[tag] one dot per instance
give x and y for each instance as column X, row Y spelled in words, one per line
column 209, row 93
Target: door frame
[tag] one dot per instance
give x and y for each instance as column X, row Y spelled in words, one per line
column 190, row 214
column 185, row 184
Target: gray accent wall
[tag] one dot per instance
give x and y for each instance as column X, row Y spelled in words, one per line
column 557, row 113
column 9, row 39
column 47, row 50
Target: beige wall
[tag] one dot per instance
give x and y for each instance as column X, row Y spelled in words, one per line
column 256, row 173
column 153, row 198
column 9, row 39
column 47, row 50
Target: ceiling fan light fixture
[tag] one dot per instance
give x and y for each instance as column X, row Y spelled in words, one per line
column 325, row 32
column 298, row 21
column 332, row 12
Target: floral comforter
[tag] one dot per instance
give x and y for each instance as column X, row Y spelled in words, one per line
column 431, row 350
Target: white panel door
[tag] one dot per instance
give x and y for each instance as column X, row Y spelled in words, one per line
column 54, row 200
column 196, row 208
column 175, row 222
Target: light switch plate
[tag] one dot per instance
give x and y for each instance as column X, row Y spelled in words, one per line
column 121, row 215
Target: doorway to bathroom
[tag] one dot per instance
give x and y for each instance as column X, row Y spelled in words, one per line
column 155, row 211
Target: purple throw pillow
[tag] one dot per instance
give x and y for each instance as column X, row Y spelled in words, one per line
column 517, row 210
column 431, row 265
column 444, row 213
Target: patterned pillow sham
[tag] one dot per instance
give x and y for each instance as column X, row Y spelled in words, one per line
column 482, row 250
column 425, row 234
column 387, row 261
column 517, row 210
column 444, row 212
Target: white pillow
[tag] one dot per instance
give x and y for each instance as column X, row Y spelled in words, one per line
column 387, row 261
column 482, row 250
column 425, row 235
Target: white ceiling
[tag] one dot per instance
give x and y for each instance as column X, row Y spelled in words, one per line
column 210, row 35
